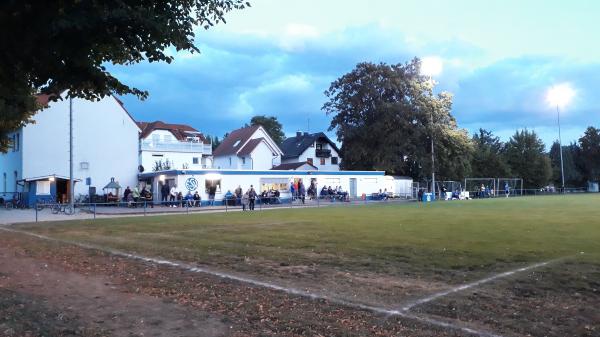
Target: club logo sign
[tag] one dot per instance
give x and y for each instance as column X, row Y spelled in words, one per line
column 191, row 184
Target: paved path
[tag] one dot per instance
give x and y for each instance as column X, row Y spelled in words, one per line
column 29, row 215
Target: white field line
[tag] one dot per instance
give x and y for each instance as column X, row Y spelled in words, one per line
column 404, row 312
column 474, row 284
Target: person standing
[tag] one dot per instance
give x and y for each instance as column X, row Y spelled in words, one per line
column 245, row 201
column 301, row 190
column 173, row 196
column 238, row 195
column 506, row 189
column 251, row 198
column 164, row 193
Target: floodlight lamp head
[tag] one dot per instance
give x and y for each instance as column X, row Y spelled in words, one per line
column 560, row 95
column 431, row 66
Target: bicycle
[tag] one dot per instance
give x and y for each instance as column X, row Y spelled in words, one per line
column 62, row 208
column 43, row 203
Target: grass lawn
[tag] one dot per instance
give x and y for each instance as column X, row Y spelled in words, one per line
column 458, row 236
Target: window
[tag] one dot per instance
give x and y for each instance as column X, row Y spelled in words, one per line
column 17, row 140
column 16, row 175
column 229, row 161
column 243, row 160
column 237, row 142
column 5, row 182
column 332, row 182
column 212, row 184
column 167, row 138
column 195, row 160
column 84, row 165
column 42, row 187
column 319, row 146
column 309, row 160
column 155, row 138
column 334, row 160
column 322, row 161
column 280, row 184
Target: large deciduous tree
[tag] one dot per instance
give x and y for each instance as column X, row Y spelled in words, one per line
column 384, row 116
column 572, row 170
column 52, row 46
column 271, row 125
column 527, row 158
column 590, row 153
column 488, row 159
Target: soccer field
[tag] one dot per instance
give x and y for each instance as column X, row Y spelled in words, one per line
column 392, row 256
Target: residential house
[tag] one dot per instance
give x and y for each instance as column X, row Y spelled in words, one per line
column 248, row 148
column 105, row 142
column 314, row 148
column 166, row 146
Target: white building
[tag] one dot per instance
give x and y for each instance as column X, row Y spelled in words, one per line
column 248, row 148
column 173, row 146
column 105, row 146
column 316, row 149
column 356, row 183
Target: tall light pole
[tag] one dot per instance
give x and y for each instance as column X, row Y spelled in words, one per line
column 71, row 180
column 431, row 66
column 560, row 95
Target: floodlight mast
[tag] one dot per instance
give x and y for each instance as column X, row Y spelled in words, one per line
column 560, row 95
column 431, row 66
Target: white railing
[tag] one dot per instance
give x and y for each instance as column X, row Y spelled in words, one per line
column 177, row 146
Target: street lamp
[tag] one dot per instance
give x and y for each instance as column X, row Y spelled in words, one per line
column 560, row 95
column 431, row 66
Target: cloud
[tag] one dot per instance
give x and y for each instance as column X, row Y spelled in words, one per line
column 284, row 74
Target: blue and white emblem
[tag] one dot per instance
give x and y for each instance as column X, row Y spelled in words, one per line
column 191, row 184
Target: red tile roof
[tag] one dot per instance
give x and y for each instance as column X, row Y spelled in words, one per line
column 236, row 139
column 250, row 146
column 292, row 166
column 180, row 131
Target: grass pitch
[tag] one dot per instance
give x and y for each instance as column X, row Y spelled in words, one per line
column 476, row 235
column 388, row 255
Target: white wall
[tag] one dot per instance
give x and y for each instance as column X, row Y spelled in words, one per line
column 262, row 159
column 223, row 162
column 366, row 184
column 177, row 159
column 10, row 163
column 104, row 137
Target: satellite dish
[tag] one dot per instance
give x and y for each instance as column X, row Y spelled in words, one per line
column 141, row 169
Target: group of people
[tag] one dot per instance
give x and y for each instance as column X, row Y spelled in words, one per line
column 172, row 197
column 333, row 193
column 135, row 196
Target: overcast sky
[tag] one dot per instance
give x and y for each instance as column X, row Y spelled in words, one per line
column 277, row 57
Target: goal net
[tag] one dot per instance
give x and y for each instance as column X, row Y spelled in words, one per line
column 510, row 187
column 481, row 187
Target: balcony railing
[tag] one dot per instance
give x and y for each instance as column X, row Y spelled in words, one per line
column 323, row 153
column 177, row 147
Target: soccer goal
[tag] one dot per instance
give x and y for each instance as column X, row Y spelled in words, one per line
column 481, row 187
column 448, row 188
column 510, row 187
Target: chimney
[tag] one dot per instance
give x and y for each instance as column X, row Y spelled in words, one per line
column 298, row 134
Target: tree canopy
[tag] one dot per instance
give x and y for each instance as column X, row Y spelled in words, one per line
column 488, row 156
column 384, row 116
column 52, row 46
column 527, row 158
column 590, row 153
column 271, row 125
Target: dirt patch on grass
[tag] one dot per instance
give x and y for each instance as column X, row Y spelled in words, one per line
column 244, row 310
column 558, row 300
column 83, row 304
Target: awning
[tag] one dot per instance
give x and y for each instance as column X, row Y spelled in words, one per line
column 55, row 176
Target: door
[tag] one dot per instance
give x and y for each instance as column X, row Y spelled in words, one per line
column 352, row 187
